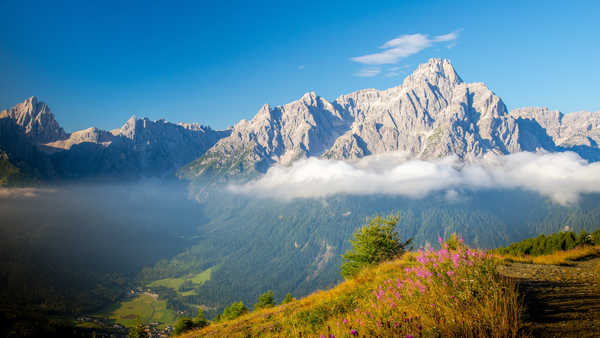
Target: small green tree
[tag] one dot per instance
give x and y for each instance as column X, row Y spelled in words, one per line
column 233, row 311
column 288, row 298
column 373, row 243
column 265, row 300
column 200, row 321
column 183, row 324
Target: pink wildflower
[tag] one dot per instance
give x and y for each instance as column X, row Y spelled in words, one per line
column 421, row 287
column 423, row 273
column 455, row 259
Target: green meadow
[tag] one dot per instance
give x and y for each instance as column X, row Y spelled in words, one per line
column 194, row 280
column 148, row 307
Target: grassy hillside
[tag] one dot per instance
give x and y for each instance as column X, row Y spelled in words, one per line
column 450, row 292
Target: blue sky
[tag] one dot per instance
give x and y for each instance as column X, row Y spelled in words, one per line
column 97, row 64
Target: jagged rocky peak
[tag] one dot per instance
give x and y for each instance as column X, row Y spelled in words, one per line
column 36, row 119
column 435, row 71
column 128, row 129
column 310, row 98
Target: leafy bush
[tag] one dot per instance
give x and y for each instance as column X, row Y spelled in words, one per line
column 373, row 243
column 183, row 324
column 233, row 311
column 265, row 300
column 288, row 298
column 186, row 323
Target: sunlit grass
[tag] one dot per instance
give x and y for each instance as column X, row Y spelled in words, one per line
column 147, row 307
column 451, row 292
column 175, row 283
column 565, row 258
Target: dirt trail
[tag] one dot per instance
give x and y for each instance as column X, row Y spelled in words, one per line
column 561, row 301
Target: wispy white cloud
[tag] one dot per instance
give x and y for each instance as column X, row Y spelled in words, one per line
column 368, row 72
column 446, row 37
column 560, row 176
column 402, row 47
column 22, row 193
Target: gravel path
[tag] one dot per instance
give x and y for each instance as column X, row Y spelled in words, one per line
column 561, row 301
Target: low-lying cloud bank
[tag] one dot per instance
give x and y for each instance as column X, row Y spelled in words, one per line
column 560, row 176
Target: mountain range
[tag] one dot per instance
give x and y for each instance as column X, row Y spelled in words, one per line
column 432, row 114
column 32, row 140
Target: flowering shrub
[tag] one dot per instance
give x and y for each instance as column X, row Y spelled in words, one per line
column 449, row 292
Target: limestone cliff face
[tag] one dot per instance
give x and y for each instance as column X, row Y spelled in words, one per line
column 282, row 134
column 566, row 130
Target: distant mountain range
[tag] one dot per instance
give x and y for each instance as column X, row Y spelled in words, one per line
column 32, row 140
column 432, row 114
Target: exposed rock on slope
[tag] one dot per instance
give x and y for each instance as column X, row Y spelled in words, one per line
column 578, row 131
column 282, row 134
column 139, row 147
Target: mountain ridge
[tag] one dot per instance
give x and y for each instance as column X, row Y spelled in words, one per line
column 139, row 148
column 432, row 114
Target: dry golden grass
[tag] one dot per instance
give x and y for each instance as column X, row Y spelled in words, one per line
column 473, row 302
column 337, row 299
column 557, row 258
